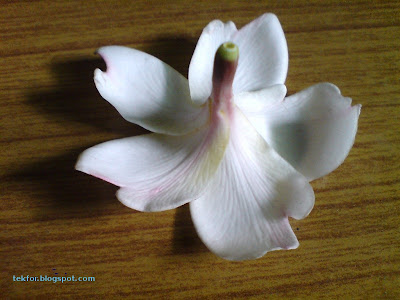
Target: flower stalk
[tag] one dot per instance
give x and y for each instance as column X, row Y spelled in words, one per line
column 225, row 65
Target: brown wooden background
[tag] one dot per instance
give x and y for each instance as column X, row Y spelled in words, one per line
column 53, row 217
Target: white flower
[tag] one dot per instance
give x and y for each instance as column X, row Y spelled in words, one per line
column 230, row 144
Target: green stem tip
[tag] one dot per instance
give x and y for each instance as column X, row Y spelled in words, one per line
column 228, row 51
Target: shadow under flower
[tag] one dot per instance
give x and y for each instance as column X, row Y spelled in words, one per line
column 74, row 98
column 64, row 192
column 185, row 240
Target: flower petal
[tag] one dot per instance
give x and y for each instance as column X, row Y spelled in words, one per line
column 158, row 172
column 259, row 102
column 147, row 91
column 313, row 130
column 201, row 65
column 244, row 213
column 263, row 59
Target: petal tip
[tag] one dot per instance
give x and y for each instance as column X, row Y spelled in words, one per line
column 122, row 197
column 330, row 86
column 109, row 53
column 101, row 52
column 98, row 76
column 358, row 107
column 212, row 25
column 102, row 84
column 295, row 245
column 270, row 16
column 79, row 165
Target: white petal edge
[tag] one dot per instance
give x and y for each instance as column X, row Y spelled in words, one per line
column 244, row 213
column 148, row 92
column 158, row 172
column 314, row 130
column 263, row 55
column 202, row 63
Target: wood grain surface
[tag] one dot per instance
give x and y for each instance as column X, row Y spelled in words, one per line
column 57, row 220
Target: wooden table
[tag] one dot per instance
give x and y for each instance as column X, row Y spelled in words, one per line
column 57, row 220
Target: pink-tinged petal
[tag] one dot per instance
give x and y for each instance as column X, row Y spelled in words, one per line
column 313, row 130
column 263, row 57
column 159, row 172
column 148, row 92
column 244, row 213
column 201, row 65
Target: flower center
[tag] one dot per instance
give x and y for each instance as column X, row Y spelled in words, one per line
column 225, row 65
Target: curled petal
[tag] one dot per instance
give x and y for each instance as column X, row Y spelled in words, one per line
column 201, row 65
column 158, row 172
column 263, row 59
column 148, row 92
column 244, row 212
column 313, row 130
